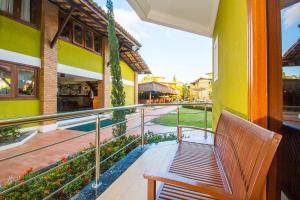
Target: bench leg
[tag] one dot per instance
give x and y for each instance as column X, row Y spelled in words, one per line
column 151, row 190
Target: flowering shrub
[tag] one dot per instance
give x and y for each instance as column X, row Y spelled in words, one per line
column 68, row 168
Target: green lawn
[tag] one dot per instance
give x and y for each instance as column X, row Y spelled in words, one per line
column 185, row 119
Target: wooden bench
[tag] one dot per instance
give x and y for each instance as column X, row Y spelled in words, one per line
column 234, row 167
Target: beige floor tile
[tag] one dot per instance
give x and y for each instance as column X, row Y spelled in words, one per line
column 131, row 185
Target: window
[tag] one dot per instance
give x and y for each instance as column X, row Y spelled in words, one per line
column 97, row 43
column 78, row 34
column 26, row 82
column 25, row 10
column 89, row 39
column 7, row 6
column 5, row 81
column 216, row 59
column 17, row 81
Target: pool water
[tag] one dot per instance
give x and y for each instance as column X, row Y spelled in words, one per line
column 91, row 126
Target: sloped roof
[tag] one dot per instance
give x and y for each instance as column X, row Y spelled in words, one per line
column 292, row 56
column 156, row 87
column 95, row 17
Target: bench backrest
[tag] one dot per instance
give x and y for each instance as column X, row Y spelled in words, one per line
column 246, row 152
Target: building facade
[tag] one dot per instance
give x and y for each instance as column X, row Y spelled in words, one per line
column 201, row 89
column 54, row 57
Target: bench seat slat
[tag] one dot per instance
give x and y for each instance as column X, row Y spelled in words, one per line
column 197, row 162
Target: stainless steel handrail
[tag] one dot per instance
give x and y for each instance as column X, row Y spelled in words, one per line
column 69, row 115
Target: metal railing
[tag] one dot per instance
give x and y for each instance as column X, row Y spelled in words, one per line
column 97, row 131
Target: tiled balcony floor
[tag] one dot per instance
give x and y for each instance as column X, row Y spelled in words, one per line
column 131, row 185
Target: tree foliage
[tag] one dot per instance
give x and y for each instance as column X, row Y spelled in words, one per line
column 117, row 92
column 185, row 92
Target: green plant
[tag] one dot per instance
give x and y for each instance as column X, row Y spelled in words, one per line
column 117, row 92
column 150, row 137
column 69, row 168
column 208, row 108
column 9, row 133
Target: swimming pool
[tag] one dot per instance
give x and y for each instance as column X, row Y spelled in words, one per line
column 91, row 126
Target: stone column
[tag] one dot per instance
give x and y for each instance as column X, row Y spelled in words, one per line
column 136, row 88
column 48, row 71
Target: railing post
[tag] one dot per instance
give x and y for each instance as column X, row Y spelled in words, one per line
column 205, row 120
column 178, row 121
column 143, row 126
column 179, row 134
column 97, row 153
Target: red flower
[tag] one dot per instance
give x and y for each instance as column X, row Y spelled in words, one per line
column 64, row 160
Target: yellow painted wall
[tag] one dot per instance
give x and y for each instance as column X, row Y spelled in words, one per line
column 20, row 38
column 230, row 90
column 19, row 108
column 74, row 56
column 129, row 90
column 127, row 72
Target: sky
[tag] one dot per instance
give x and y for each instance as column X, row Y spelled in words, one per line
column 166, row 51
column 170, row 52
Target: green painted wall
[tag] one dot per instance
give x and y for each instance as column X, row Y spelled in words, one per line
column 74, row 56
column 20, row 38
column 127, row 72
column 129, row 90
column 230, row 91
column 19, row 108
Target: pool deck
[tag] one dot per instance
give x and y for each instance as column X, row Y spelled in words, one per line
column 15, row 167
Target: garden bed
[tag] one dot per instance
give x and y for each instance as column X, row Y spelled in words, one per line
column 59, row 177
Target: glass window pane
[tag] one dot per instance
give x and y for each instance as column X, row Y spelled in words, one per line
column 26, row 82
column 97, row 43
column 290, row 26
column 7, row 6
column 78, row 34
column 5, row 81
column 89, row 39
column 25, row 10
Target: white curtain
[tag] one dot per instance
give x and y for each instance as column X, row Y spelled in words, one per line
column 7, row 6
column 25, row 10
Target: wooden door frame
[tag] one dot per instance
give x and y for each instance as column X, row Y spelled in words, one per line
column 264, row 59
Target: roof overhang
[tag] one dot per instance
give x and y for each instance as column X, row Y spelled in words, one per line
column 95, row 17
column 292, row 56
column 134, row 60
column 196, row 16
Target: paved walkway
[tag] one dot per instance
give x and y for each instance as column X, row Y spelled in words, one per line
column 15, row 167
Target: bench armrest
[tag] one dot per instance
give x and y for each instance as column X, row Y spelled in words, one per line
column 196, row 128
column 186, row 183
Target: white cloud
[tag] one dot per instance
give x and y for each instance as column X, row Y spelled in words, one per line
column 291, row 15
column 131, row 22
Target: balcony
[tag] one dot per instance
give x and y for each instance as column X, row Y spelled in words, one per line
column 61, row 164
